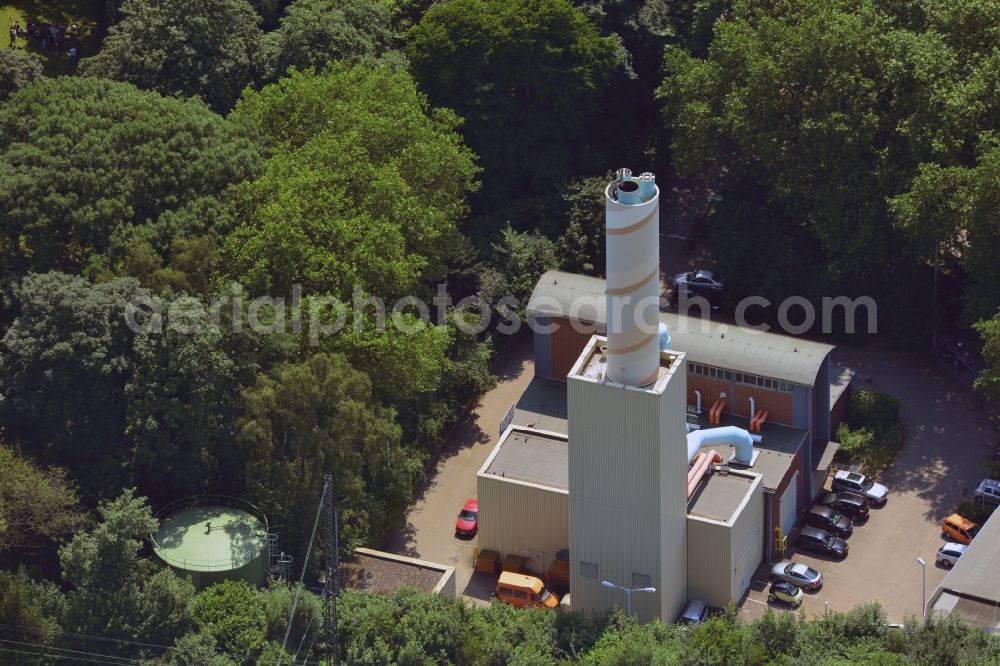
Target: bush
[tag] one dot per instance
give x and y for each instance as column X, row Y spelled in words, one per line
column 975, row 511
column 873, row 434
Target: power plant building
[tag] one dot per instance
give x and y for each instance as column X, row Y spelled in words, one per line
column 661, row 450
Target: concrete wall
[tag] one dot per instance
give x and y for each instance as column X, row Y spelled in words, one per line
column 723, row 556
column 523, row 519
column 628, row 495
column 445, row 586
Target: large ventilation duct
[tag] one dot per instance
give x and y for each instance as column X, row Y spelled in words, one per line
column 738, row 437
column 632, row 207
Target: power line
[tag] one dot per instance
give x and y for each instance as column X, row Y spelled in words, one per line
column 52, row 651
column 61, row 656
column 118, row 640
column 305, row 564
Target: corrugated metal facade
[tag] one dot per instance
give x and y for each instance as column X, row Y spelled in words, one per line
column 523, row 519
column 722, row 557
column 628, row 478
column 709, row 561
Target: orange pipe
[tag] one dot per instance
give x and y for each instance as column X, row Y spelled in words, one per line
column 711, row 412
column 697, row 462
column 700, row 469
column 758, row 421
column 717, row 409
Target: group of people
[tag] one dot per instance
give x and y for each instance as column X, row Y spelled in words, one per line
column 55, row 36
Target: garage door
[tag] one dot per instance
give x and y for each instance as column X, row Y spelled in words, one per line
column 788, row 502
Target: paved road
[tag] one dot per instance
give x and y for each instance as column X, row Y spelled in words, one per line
column 428, row 531
column 948, row 441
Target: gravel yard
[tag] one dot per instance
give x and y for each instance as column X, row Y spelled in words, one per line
column 372, row 574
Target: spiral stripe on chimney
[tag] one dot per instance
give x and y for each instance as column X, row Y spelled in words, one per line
column 633, row 278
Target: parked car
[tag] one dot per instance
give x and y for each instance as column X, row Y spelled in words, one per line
column 699, row 283
column 822, row 542
column 520, row 590
column 783, row 591
column 468, row 518
column 948, row 554
column 797, row 574
column 696, row 612
column 852, row 505
column 959, row 529
column 853, row 482
column 988, row 491
column 829, row 520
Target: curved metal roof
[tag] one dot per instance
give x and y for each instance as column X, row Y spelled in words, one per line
column 726, row 346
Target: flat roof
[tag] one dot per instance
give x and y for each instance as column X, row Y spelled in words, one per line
column 727, row 346
column 589, row 366
column 533, row 457
column 720, row 497
column 777, row 447
column 542, row 406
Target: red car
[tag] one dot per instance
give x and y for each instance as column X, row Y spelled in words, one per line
column 468, row 518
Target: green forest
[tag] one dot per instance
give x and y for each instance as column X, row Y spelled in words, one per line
column 223, row 161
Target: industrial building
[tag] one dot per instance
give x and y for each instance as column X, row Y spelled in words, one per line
column 972, row 587
column 662, row 450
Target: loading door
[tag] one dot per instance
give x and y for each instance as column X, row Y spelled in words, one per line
column 788, row 503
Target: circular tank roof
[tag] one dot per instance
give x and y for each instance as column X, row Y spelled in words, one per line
column 210, row 537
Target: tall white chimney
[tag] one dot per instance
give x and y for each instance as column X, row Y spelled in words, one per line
column 632, row 208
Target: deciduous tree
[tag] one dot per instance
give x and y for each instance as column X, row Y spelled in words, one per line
column 204, row 48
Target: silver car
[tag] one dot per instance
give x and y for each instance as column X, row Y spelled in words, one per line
column 797, row 574
column 948, row 554
column 988, row 491
column 853, row 482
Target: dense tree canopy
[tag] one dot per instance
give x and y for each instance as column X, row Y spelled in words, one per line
column 363, row 186
column 84, row 161
column 524, row 74
column 313, row 418
column 17, row 69
column 813, row 117
column 205, row 48
column 113, row 403
column 36, row 505
column 316, row 32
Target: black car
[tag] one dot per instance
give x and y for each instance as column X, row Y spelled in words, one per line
column 698, row 283
column 829, row 520
column 822, row 542
column 852, row 505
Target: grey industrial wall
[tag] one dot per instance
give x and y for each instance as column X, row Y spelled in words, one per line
column 523, row 519
column 722, row 557
column 628, row 479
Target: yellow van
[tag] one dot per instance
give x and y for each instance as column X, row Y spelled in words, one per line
column 959, row 529
column 519, row 591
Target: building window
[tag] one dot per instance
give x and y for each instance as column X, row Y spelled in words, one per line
column 588, row 570
column 639, row 580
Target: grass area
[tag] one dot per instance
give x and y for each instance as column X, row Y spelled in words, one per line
column 84, row 13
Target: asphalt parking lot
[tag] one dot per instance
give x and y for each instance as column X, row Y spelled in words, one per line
column 948, row 441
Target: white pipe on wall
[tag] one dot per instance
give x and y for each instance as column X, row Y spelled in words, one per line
column 697, row 398
column 753, row 406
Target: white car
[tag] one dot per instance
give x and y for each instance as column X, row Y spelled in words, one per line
column 948, row 554
column 853, row 482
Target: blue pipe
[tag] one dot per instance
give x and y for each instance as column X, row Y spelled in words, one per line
column 738, row 437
